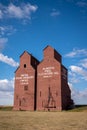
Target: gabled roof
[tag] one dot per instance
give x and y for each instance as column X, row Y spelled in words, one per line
column 30, row 55
column 47, row 47
column 53, row 49
column 17, row 69
column 25, row 52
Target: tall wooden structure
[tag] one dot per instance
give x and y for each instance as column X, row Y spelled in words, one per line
column 42, row 86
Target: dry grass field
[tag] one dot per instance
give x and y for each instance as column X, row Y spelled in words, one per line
column 25, row 120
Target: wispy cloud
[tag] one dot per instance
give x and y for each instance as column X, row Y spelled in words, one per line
column 73, row 78
column 22, row 11
column 1, row 14
column 79, row 96
column 6, row 91
column 77, row 52
column 81, row 3
column 79, row 71
column 3, row 41
column 6, row 85
column 54, row 13
column 8, row 60
column 7, row 30
column 83, row 63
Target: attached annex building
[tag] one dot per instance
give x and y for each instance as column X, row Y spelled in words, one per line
column 42, row 85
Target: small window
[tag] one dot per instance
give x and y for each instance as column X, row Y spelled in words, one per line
column 24, row 65
column 40, row 93
column 19, row 102
column 56, row 93
column 16, row 96
column 25, row 88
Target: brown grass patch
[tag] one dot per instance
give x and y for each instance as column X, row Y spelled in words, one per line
column 25, row 120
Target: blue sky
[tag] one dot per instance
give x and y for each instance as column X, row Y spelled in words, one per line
column 32, row 25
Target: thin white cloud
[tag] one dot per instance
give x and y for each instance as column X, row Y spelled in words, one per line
column 22, row 11
column 6, row 91
column 15, row 11
column 73, row 91
column 83, row 63
column 76, row 69
column 8, row 60
column 73, row 78
column 7, row 30
column 81, row 3
column 6, row 98
column 1, row 14
column 79, row 96
column 77, row 52
column 54, row 13
column 3, row 41
column 71, row 54
column 6, row 85
column 79, row 71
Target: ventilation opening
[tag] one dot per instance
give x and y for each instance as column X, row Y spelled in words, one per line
column 40, row 93
column 25, row 88
column 24, row 65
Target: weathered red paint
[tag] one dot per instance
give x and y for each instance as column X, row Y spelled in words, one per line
column 42, row 86
column 25, row 83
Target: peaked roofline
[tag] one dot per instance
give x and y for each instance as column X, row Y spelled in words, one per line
column 47, row 46
column 30, row 55
column 24, row 52
column 17, row 69
column 53, row 49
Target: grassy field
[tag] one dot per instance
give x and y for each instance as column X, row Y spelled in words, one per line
column 25, row 120
column 78, row 108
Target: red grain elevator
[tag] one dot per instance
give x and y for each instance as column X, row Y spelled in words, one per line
column 42, row 86
column 25, row 83
column 53, row 92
